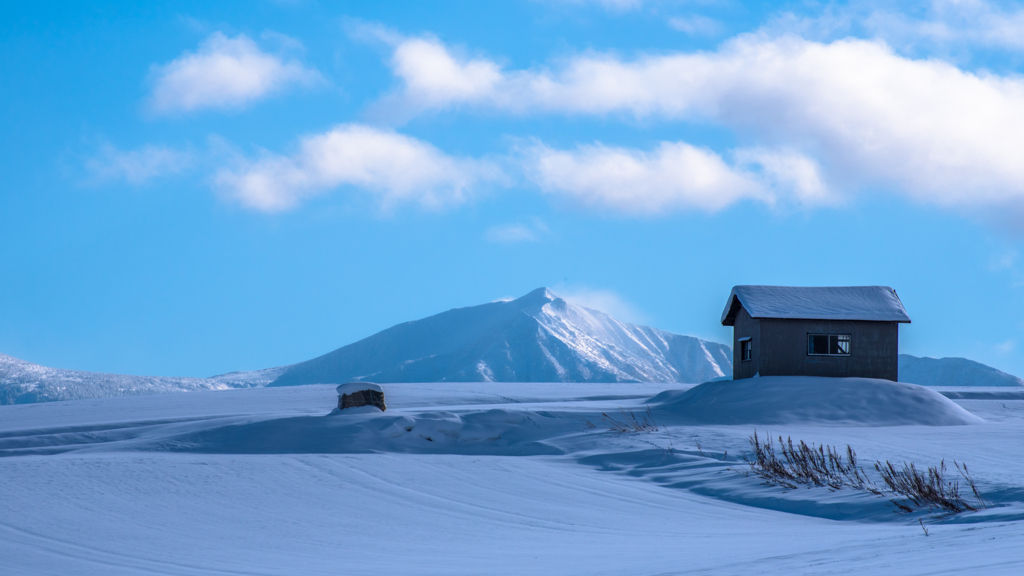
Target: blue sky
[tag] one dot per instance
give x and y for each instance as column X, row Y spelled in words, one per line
column 191, row 188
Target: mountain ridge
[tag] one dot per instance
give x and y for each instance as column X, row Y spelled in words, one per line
column 538, row 337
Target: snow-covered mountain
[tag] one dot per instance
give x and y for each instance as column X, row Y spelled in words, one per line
column 23, row 382
column 952, row 372
column 537, row 338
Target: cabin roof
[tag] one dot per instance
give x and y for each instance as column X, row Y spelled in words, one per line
column 871, row 303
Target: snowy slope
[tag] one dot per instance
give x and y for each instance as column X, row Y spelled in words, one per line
column 537, row 338
column 952, row 372
column 23, row 382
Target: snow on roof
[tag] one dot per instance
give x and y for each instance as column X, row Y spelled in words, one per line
column 872, row 303
column 352, row 387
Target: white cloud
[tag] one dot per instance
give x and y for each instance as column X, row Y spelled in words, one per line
column 397, row 168
column 675, row 175
column 434, row 78
column 137, row 166
column 516, row 233
column 224, row 73
column 867, row 116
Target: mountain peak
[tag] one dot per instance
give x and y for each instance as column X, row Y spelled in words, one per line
column 540, row 294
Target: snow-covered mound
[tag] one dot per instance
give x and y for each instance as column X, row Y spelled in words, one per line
column 805, row 399
column 23, row 382
column 952, row 372
column 537, row 338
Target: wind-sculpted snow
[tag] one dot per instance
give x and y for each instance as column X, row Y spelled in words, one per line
column 537, row 338
column 23, row 382
column 801, row 399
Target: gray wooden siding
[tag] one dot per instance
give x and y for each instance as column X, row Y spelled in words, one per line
column 779, row 348
column 745, row 327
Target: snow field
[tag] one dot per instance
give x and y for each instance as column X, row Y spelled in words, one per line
column 261, row 481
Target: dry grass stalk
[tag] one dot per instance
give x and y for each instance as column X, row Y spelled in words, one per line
column 807, row 465
column 629, row 423
column 907, row 487
column 928, row 488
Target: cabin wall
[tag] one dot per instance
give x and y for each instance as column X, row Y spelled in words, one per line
column 745, row 326
column 874, row 348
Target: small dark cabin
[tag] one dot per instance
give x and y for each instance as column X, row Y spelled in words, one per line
column 848, row 331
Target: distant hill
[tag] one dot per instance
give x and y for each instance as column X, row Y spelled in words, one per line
column 23, row 382
column 952, row 372
column 536, row 338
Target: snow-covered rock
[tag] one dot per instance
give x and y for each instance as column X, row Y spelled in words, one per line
column 810, row 399
column 952, row 372
column 537, row 338
column 23, row 382
column 359, row 395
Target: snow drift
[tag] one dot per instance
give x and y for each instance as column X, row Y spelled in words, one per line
column 807, row 399
column 536, row 338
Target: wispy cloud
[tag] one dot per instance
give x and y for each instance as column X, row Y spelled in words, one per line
column 396, row 168
column 951, row 22
column 1006, row 347
column 945, row 27
column 1004, row 261
column 516, row 233
column 862, row 113
column 225, row 73
column 137, row 166
column 612, row 5
column 607, row 301
column 696, row 25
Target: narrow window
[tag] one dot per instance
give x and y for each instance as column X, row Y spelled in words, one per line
column 828, row 344
column 839, row 344
column 745, row 349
